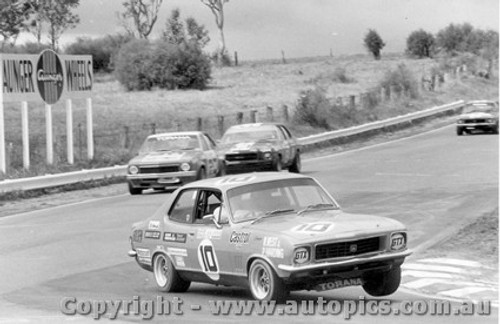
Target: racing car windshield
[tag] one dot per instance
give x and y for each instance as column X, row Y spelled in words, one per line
column 279, row 197
column 170, row 143
column 479, row 108
column 249, row 136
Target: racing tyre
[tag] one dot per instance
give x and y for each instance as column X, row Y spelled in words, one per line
column 296, row 165
column 460, row 131
column 383, row 283
column 264, row 282
column 277, row 164
column 166, row 277
column 134, row 191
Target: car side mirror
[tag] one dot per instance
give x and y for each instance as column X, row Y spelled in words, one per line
column 212, row 217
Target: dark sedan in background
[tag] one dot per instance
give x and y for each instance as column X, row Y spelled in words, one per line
column 259, row 147
column 478, row 115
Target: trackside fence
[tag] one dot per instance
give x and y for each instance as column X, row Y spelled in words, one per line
column 61, row 179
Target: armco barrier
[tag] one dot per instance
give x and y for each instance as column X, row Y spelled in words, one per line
column 60, row 179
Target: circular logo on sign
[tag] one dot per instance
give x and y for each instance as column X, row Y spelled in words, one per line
column 49, row 76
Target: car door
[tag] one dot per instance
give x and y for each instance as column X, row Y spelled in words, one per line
column 178, row 236
column 211, row 242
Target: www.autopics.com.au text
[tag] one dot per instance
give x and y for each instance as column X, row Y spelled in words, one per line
column 161, row 306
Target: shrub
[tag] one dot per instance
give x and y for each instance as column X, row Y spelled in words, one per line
column 141, row 65
column 402, row 80
column 312, row 108
column 133, row 66
column 181, row 66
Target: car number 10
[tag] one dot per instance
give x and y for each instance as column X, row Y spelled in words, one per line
column 208, row 259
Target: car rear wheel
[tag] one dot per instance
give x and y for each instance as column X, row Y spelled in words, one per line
column 265, row 283
column 460, row 131
column 166, row 277
column 296, row 165
column 383, row 283
column 134, row 191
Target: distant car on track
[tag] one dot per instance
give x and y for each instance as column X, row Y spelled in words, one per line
column 272, row 232
column 259, row 147
column 479, row 115
column 169, row 160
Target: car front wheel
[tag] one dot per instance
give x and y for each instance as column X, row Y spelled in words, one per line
column 460, row 131
column 134, row 191
column 265, row 283
column 383, row 283
column 296, row 165
column 277, row 164
column 166, row 277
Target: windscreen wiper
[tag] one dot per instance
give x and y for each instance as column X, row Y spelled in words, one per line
column 272, row 212
column 315, row 207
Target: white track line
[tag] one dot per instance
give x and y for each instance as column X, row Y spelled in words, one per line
column 428, row 267
column 458, row 262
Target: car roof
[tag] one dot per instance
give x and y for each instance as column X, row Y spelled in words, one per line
column 196, row 133
column 481, row 102
column 237, row 180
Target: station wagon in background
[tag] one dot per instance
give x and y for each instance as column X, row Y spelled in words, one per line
column 478, row 115
column 259, row 147
column 272, row 232
column 169, row 160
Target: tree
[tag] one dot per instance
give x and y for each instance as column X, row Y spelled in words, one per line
column 459, row 38
column 196, row 33
column 217, row 8
column 13, row 17
column 143, row 13
column 374, row 43
column 420, row 43
column 59, row 17
column 174, row 29
column 191, row 32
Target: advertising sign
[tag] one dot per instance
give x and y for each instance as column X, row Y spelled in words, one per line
column 47, row 77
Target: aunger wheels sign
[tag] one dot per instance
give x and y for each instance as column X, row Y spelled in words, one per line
column 49, row 77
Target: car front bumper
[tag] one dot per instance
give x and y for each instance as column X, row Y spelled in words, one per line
column 248, row 166
column 479, row 126
column 170, row 180
column 307, row 276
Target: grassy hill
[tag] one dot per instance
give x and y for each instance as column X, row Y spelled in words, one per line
column 123, row 119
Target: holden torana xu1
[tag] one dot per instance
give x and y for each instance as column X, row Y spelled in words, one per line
column 258, row 147
column 479, row 115
column 167, row 161
column 271, row 232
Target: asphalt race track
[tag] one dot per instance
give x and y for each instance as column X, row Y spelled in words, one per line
column 433, row 183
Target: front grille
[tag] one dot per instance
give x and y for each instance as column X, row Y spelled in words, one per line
column 159, row 169
column 241, row 156
column 475, row 121
column 344, row 249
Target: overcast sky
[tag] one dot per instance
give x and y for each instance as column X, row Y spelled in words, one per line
column 262, row 28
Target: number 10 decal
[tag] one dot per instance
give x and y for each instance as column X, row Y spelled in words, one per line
column 208, row 259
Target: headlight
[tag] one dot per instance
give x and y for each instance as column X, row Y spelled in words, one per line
column 301, row 255
column 268, row 155
column 490, row 121
column 137, row 236
column 185, row 166
column 398, row 241
column 460, row 121
column 133, row 169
